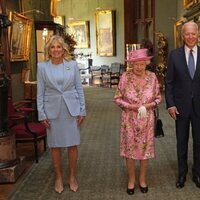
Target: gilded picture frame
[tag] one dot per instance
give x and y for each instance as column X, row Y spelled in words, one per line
column 105, row 33
column 178, row 41
column 20, row 36
column 59, row 20
column 81, row 33
column 53, row 8
column 189, row 3
column 198, row 23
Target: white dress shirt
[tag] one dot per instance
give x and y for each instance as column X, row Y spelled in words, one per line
column 194, row 52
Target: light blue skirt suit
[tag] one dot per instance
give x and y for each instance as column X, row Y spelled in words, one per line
column 60, row 99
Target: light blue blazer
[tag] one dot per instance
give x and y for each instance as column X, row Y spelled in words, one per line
column 49, row 95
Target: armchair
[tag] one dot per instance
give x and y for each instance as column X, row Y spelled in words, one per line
column 24, row 130
column 105, row 74
column 95, row 74
column 15, row 110
column 113, row 75
column 84, row 69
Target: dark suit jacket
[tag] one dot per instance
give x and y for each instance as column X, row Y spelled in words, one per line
column 180, row 89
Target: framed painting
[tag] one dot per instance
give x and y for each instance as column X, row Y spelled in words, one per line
column 19, row 35
column 80, row 32
column 59, row 20
column 105, row 32
column 178, row 42
column 198, row 22
column 189, row 3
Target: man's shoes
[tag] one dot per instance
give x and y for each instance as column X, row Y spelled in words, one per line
column 196, row 180
column 181, row 182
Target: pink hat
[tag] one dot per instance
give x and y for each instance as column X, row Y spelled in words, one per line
column 138, row 55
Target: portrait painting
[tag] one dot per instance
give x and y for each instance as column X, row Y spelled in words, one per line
column 59, row 20
column 19, row 35
column 80, row 32
column 105, row 32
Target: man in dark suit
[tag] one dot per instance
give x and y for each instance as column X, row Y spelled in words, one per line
column 182, row 93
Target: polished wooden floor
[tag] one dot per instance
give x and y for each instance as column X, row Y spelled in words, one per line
column 26, row 150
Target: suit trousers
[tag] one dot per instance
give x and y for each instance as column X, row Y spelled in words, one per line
column 182, row 136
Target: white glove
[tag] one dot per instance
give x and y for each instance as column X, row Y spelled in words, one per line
column 142, row 112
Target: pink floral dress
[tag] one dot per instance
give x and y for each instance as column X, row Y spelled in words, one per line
column 137, row 135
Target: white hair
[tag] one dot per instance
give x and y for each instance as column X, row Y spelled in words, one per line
column 189, row 24
column 146, row 61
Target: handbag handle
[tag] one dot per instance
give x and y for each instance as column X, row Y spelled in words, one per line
column 156, row 112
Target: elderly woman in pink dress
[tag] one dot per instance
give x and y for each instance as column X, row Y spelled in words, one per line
column 137, row 95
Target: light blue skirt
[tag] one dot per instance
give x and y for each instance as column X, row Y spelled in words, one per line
column 64, row 131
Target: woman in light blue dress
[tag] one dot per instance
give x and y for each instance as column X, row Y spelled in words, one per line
column 61, row 106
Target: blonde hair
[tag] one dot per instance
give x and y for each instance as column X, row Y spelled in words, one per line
column 61, row 41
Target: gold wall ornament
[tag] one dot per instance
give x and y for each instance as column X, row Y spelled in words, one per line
column 189, row 3
column 161, row 66
column 162, row 46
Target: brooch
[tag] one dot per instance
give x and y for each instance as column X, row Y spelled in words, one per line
column 67, row 68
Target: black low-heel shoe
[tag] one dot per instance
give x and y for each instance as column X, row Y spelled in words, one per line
column 130, row 191
column 144, row 189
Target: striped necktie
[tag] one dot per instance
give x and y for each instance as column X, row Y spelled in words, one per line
column 191, row 66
